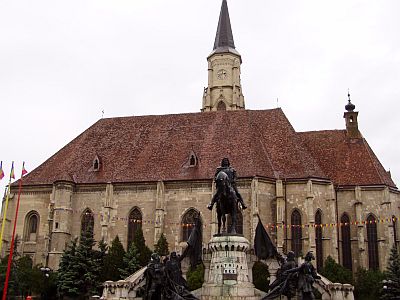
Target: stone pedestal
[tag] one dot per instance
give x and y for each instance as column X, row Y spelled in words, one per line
column 228, row 276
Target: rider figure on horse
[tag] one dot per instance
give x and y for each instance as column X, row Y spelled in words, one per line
column 231, row 172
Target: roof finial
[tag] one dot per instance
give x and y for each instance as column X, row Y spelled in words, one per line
column 349, row 106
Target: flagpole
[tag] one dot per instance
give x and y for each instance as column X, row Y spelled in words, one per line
column 5, row 208
column 13, row 237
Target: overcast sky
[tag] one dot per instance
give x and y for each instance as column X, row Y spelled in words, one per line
column 63, row 62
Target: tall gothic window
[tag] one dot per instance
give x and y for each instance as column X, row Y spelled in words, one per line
column 87, row 221
column 188, row 221
column 134, row 224
column 31, row 226
column 346, row 241
column 318, row 240
column 296, row 232
column 394, row 223
column 239, row 222
column 372, row 236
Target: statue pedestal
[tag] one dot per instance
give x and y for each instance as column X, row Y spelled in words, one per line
column 228, row 276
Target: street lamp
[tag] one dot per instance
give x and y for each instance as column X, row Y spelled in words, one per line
column 46, row 272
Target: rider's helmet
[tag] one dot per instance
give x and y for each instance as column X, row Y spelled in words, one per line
column 225, row 162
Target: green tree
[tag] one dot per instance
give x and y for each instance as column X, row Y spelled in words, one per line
column 28, row 277
column 261, row 276
column 195, row 277
column 79, row 270
column 391, row 285
column 68, row 273
column 144, row 251
column 368, row 284
column 113, row 261
column 88, row 265
column 101, row 254
column 130, row 262
column 335, row 272
column 162, row 246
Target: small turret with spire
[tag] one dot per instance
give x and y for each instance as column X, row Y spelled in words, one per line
column 224, row 90
column 351, row 118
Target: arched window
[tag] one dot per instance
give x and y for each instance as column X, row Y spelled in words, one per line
column 372, row 236
column 296, row 232
column 96, row 163
column 134, row 224
column 318, row 240
column 239, row 222
column 31, row 226
column 87, row 221
column 346, row 242
column 188, row 221
column 221, row 105
column 394, row 223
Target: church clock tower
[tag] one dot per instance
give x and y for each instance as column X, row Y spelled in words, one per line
column 224, row 91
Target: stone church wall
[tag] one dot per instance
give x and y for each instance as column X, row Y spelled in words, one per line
column 163, row 205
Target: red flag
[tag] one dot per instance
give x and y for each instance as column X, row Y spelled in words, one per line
column 1, row 170
column 24, row 171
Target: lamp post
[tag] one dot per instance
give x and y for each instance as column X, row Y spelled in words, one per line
column 46, row 272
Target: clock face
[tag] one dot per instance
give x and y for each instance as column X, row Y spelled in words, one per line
column 222, row 74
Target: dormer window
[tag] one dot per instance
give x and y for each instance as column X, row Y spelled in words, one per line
column 192, row 159
column 96, row 164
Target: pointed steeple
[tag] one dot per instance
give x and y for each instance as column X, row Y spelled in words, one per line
column 224, row 38
column 224, row 90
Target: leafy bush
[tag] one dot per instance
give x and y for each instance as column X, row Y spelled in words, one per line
column 335, row 272
column 261, row 276
column 368, row 284
column 195, row 278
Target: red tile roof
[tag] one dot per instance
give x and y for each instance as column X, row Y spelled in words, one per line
column 346, row 161
column 258, row 143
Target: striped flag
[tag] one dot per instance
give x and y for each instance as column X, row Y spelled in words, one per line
column 24, row 171
column 1, row 170
column 12, row 175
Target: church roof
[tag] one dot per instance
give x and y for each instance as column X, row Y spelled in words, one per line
column 258, row 143
column 347, row 161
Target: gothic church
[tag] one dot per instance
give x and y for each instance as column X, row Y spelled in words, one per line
column 324, row 191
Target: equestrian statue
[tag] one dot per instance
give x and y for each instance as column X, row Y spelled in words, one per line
column 227, row 197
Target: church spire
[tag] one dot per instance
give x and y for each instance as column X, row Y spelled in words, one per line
column 224, row 36
column 224, row 90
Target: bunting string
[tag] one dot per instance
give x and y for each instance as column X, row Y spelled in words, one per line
column 107, row 217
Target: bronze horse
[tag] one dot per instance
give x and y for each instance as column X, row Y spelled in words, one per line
column 227, row 202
